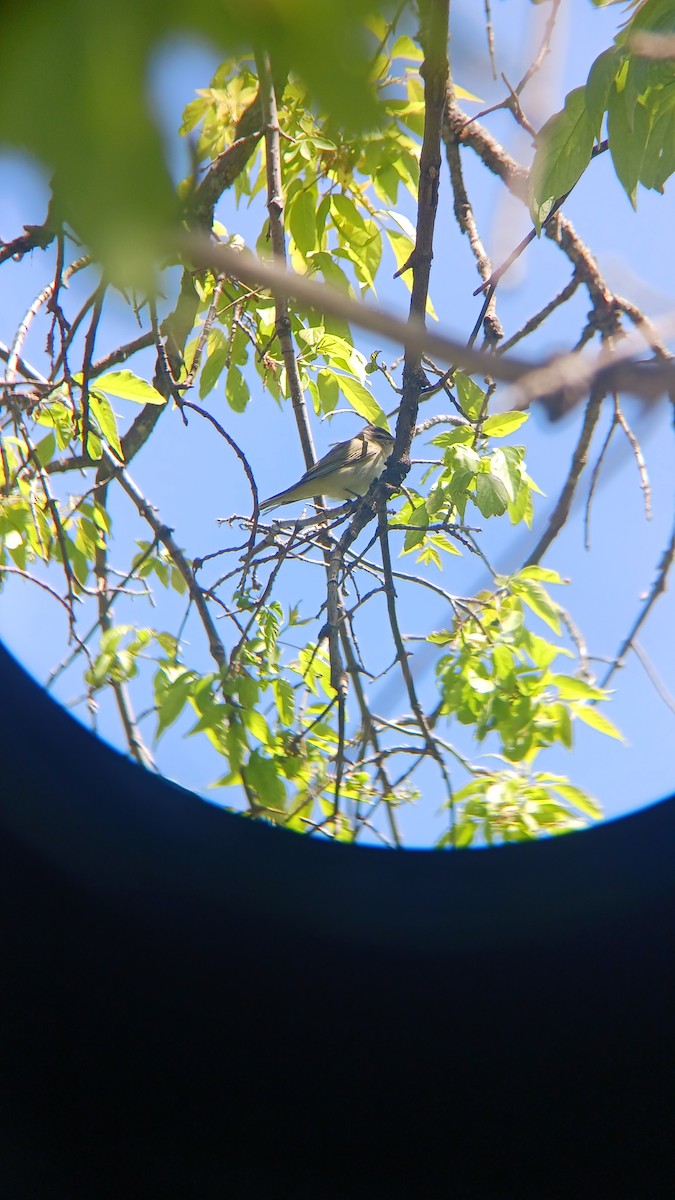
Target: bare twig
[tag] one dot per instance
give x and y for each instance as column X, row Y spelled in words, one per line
column 402, row 657
column 656, row 590
column 121, row 354
column 594, row 479
column 615, row 367
column 579, row 460
column 467, row 223
column 247, row 471
column 653, row 675
column 490, row 33
column 538, row 319
column 638, row 455
column 43, row 298
column 137, row 747
column 165, row 536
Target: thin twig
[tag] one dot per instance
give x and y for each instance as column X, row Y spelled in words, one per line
column 579, row 460
column 594, row 479
column 249, row 475
column 616, row 368
column 402, row 656
column 137, row 747
column 43, row 298
column 653, row 675
column 639, row 457
column 538, row 319
column 165, row 536
column 657, row 588
column 466, row 220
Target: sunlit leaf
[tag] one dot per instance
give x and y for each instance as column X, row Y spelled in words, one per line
column 128, row 386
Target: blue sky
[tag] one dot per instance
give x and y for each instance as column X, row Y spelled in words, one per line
column 189, row 478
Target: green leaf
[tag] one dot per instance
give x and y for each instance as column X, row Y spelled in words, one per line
column 284, row 696
column 600, row 79
column 217, row 352
column 257, row 725
column 366, row 259
column 502, row 424
column 386, row 182
column 44, row 450
column 573, row 688
column 262, row 774
column 507, row 472
column 471, row 396
column 101, row 517
column 658, row 162
column 105, row 418
column 491, row 496
column 429, row 554
column 171, row 698
column 128, row 386
column 628, row 131
column 327, row 392
column 332, row 273
column 522, row 508
column 597, row 720
column 348, row 219
column 564, row 148
column 236, row 390
column 464, row 458
column 462, row 435
column 361, row 400
column 302, row 221
column 444, row 543
column 581, row 800
column 94, row 446
column 543, row 574
column 248, row 690
column 536, row 598
column 402, row 246
column 655, row 16
column 404, row 47
column 419, row 519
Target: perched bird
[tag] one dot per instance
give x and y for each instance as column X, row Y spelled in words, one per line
column 345, row 473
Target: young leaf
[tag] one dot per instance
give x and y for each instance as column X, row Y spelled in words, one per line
column 105, row 417
column 491, row 497
column 597, row 720
column 564, row 148
column 470, row 395
column 502, row 424
column 128, row 386
column 361, row 400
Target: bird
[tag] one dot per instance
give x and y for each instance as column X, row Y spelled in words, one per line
column 345, row 473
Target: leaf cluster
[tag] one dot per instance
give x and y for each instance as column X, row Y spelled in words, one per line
column 633, row 90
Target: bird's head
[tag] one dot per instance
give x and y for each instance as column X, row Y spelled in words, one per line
column 375, row 433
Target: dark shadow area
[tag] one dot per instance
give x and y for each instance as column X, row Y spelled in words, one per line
column 195, row 1006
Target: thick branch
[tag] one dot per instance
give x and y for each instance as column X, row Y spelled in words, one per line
column 434, row 71
column 177, row 327
column 275, row 209
column 643, row 378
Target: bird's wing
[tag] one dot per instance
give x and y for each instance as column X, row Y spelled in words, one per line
column 342, row 455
